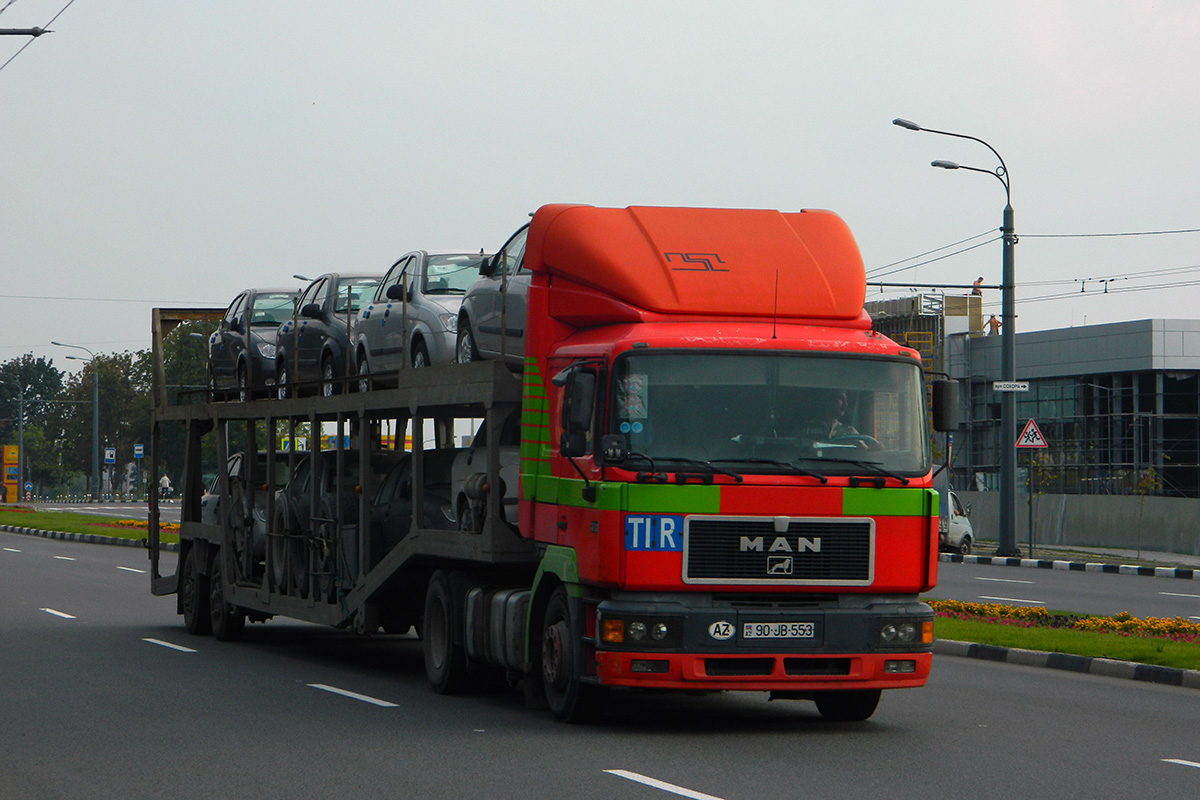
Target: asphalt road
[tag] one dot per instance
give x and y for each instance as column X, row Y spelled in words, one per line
column 106, row 696
column 1062, row 590
column 167, row 512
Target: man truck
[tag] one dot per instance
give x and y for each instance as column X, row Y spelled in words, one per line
column 724, row 479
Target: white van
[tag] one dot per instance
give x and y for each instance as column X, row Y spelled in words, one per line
column 954, row 526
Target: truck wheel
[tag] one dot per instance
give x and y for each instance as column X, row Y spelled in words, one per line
column 569, row 699
column 964, row 547
column 193, row 596
column 445, row 662
column 854, row 705
column 466, row 352
column 228, row 621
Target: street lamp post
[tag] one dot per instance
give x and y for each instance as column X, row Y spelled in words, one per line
column 95, row 414
column 1008, row 365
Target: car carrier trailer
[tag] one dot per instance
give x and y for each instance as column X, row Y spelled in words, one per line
column 683, row 524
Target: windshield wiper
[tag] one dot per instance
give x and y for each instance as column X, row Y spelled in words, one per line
column 860, row 463
column 690, row 461
column 808, row 473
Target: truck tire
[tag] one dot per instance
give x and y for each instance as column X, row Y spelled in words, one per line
column 445, row 662
column 964, row 547
column 570, row 699
column 193, row 596
column 227, row 620
column 851, row 705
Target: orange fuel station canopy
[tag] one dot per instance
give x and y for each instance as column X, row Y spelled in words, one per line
column 746, row 263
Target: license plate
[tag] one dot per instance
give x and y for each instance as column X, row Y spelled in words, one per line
column 778, row 630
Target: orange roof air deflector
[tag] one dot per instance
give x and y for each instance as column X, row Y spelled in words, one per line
column 712, row 262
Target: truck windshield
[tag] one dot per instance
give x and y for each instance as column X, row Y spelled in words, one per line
column 771, row 413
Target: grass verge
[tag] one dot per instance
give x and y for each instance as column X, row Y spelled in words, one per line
column 1157, row 650
column 72, row 522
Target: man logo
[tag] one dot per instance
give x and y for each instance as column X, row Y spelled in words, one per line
column 779, row 565
column 780, row 544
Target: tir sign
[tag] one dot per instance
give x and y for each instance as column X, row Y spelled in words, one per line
column 654, row 532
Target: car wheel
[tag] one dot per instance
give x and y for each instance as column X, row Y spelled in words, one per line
column 243, row 383
column 281, row 384
column 420, row 356
column 364, row 375
column 328, row 387
column 466, row 352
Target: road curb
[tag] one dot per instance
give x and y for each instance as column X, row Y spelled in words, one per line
column 90, row 538
column 1106, row 667
column 1183, row 573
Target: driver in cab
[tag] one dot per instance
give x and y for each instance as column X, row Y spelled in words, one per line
column 824, row 421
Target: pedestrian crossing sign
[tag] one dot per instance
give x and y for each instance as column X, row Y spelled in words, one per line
column 1031, row 436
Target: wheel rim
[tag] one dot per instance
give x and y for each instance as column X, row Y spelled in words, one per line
column 364, row 376
column 327, row 379
column 554, row 669
column 466, row 347
column 281, row 385
column 243, row 385
column 420, row 358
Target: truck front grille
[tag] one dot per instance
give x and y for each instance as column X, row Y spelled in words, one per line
column 778, row 551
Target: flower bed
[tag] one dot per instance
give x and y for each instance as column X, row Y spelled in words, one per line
column 138, row 524
column 1125, row 624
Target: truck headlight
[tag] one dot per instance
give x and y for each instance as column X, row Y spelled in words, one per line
column 904, row 632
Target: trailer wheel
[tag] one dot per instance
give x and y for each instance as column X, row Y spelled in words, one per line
column 227, row 620
column 193, row 596
column 853, row 705
column 570, row 700
column 445, row 662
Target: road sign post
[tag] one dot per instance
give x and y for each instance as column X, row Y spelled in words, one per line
column 1031, row 439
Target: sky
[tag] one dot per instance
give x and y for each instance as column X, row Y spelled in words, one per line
column 172, row 154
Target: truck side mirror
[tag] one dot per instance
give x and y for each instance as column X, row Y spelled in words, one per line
column 945, row 406
column 579, row 395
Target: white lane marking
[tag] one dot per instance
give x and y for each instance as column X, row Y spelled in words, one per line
column 1002, row 580
column 11, row 550
column 64, row 558
column 657, row 784
column 1181, row 762
column 353, row 695
column 58, row 613
column 178, row 647
column 131, row 569
column 1012, row 600
column 1178, row 594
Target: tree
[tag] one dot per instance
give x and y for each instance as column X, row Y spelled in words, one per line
column 33, row 386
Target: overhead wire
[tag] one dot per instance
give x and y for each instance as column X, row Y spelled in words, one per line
column 31, row 38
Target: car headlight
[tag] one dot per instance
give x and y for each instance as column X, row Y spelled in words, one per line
column 266, row 350
column 449, row 322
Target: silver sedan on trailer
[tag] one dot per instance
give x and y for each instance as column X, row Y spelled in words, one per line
column 413, row 318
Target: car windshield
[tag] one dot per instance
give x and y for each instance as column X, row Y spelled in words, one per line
column 451, row 274
column 272, row 309
column 779, row 412
column 359, row 290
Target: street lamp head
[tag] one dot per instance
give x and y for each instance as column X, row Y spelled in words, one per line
column 907, row 124
column 301, row 278
column 944, row 164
